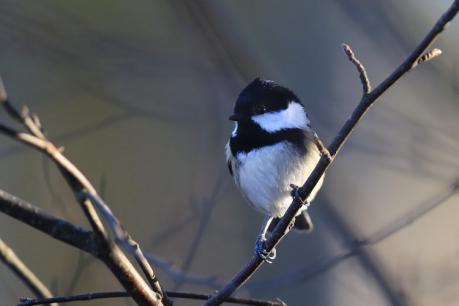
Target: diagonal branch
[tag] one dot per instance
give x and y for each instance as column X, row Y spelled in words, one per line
column 366, row 102
column 57, row 228
column 112, row 256
column 125, row 239
column 26, row 275
column 85, row 240
column 357, row 246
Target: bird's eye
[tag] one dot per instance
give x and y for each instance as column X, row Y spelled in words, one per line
column 259, row 109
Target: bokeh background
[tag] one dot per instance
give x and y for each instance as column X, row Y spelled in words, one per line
column 139, row 93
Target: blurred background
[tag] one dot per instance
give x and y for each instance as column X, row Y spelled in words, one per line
column 139, row 95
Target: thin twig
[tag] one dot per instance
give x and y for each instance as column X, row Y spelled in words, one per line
column 366, row 102
column 9, row 257
column 84, row 261
column 125, row 239
column 74, row 177
column 111, row 255
column 82, row 239
column 208, row 204
column 121, row 294
column 360, row 68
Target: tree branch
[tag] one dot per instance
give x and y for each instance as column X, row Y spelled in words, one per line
column 357, row 246
column 360, row 69
column 112, row 256
column 367, row 100
column 32, row 282
column 87, row 241
column 119, row 294
column 125, row 239
column 57, row 228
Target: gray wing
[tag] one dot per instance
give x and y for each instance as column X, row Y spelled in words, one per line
column 229, row 158
column 230, row 167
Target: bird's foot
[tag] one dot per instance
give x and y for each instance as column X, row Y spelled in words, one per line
column 260, row 249
column 295, row 193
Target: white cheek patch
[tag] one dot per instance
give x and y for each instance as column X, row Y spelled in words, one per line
column 293, row 116
column 234, row 133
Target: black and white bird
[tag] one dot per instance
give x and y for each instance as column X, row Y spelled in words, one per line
column 272, row 149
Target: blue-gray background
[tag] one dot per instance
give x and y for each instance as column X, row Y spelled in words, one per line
column 139, row 93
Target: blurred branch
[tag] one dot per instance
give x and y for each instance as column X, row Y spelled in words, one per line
column 84, row 261
column 178, row 275
column 410, row 217
column 109, row 253
column 367, row 100
column 119, row 294
column 32, row 282
column 206, row 210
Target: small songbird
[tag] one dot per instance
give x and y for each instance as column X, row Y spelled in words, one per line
column 271, row 151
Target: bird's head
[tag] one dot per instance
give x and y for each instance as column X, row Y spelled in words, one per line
column 270, row 106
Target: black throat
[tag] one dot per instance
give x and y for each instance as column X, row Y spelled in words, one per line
column 251, row 136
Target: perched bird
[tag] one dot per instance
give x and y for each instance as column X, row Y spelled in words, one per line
column 272, row 149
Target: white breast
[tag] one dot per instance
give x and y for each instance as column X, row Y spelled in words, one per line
column 264, row 176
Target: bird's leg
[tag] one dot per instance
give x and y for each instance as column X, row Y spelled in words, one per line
column 294, row 193
column 260, row 247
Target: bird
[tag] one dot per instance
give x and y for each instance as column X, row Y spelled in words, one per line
column 271, row 151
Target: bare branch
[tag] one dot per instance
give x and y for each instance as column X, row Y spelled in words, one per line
column 360, row 68
column 31, row 122
column 74, row 177
column 310, row 271
column 120, row 294
column 110, row 254
column 55, row 227
column 125, row 239
column 366, row 102
column 32, row 282
column 82, row 239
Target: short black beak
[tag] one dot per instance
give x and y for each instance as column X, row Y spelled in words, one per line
column 236, row 117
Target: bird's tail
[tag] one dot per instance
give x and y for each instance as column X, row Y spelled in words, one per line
column 303, row 222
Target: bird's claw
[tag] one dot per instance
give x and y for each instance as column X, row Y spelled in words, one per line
column 295, row 194
column 260, row 249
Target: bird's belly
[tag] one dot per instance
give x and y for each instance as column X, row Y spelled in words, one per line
column 264, row 176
